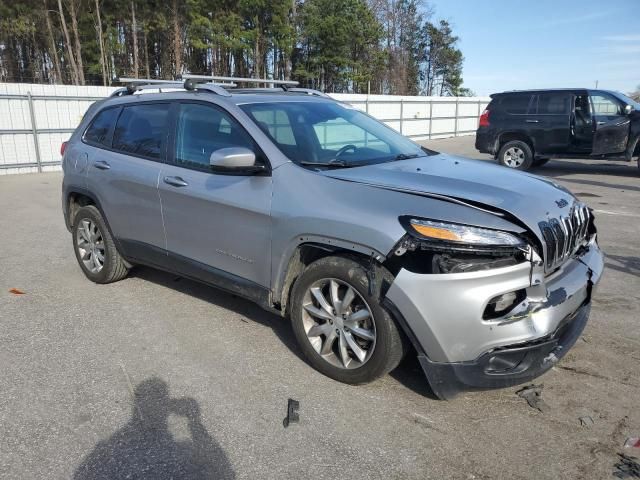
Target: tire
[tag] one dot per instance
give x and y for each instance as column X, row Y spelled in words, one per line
column 516, row 154
column 540, row 162
column 383, row 353
column 93, row 241
column 632, row 148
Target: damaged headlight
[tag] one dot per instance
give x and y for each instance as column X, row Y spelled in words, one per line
column 452, row 233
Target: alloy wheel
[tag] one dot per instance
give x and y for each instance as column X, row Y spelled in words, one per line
column 338, row 323
column 90, row 245
column 514, row 157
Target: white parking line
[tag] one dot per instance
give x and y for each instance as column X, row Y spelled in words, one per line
column 623, row 214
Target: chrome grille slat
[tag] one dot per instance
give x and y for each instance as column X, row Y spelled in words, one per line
column 564, row 235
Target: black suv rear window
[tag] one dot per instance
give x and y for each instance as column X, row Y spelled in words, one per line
column 141, row 129
column 98, row 131
column 516, row 104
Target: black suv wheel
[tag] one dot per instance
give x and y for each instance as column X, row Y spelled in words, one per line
column 516, row 154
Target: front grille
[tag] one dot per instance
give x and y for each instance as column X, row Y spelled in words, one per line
column 564, row 235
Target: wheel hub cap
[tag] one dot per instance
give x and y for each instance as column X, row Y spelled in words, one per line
column 339, row 323
column 90, row 245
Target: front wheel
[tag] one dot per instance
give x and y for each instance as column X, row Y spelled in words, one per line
column 339, row 323
column 516, row 154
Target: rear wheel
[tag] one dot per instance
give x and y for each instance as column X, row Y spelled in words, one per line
column 95, row 249
column 339, row 323
column 516, row 154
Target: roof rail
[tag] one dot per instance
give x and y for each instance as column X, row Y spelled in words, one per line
column 139, row 84
column 239, row 79
column 308, row 91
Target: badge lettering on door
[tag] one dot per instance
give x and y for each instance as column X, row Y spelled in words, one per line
column 234, row 256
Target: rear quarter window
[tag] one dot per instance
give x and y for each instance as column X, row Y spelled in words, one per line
column 515, row 104
column 554, row 103
column 101, row 128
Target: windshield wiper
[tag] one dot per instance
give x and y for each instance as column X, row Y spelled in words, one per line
column 335, row 162
column 406, row 156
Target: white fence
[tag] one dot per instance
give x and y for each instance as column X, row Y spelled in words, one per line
column 36, row 119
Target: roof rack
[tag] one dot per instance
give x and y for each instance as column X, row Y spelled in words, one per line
column 140, row 84
column 239, row 79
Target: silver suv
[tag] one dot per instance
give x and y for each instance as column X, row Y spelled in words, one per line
column 371, row 244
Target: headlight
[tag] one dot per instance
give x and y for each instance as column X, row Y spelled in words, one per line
column 460, row 234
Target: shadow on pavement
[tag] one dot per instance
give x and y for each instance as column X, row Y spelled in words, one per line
column 409, row 373
column 145, row 448
column 620, row 263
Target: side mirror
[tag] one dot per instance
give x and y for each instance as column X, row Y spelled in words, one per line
column 235, row 160
column 628, row 109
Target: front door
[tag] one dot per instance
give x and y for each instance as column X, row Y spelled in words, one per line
column 218, row 226
column 612, row 125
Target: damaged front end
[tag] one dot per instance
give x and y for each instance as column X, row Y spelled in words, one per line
column 482, row 308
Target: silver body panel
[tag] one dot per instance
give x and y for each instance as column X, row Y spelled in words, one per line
column 445, row 310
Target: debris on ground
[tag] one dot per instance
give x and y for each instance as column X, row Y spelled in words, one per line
column 292, row 412
column 586, row 421
column 632, row 442
column 627, row 467
column 533, row 395
column 16, row 291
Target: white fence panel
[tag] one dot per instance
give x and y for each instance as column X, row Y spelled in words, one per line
column 57, row 110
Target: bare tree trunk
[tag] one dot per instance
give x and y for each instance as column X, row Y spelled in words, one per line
column 177, row 42
column 134, row 34
column 74, row 26
column 52, row 45
column 103, row 59
column 72, row 60
column 146, row 51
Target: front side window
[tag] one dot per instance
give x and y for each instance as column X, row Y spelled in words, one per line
column 142, row 129
column 203, row 129
column 329, row 134
column 554, row 103
column 100, row 128
column 605, row 105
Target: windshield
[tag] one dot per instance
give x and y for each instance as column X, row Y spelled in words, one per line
column 627, row 100
column 328, row 134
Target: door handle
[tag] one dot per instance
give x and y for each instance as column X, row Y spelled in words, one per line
column 175, row 181
column 601, row 123
column 102, row 165
column 532, row 121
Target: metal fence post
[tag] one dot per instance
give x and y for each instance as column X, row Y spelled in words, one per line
column 401, row 113
column 34, row 129
column 430, row 102
column 455, row 127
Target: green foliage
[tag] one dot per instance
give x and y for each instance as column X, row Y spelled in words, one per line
column 382, row 46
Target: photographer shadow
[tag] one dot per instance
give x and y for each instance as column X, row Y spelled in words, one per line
column 146, row 448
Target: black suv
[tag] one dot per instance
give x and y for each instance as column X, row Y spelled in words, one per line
column 526, row 128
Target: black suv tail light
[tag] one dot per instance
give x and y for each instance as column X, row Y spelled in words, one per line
column 484, row 119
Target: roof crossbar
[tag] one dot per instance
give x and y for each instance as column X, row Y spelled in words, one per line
column 139, row 84
column 239, row 79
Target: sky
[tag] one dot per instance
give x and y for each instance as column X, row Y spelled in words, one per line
column 521, row 44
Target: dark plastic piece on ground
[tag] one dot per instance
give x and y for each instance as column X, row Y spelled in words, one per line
column 586, row 421
column 627, row 467
column 292, row 413
column 533, row 395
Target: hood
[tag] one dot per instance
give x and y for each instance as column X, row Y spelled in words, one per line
column 528, row 198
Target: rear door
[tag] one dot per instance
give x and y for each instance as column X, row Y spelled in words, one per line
column 550, row 121
column 218, row 225
column 612, row 125
column 124, row 176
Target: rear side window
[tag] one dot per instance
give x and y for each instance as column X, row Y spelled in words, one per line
column 554, row 103
column 100, row 129
column 141, row 130
column 516, row 104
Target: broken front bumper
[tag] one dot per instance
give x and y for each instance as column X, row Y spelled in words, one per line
column 458, row 349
